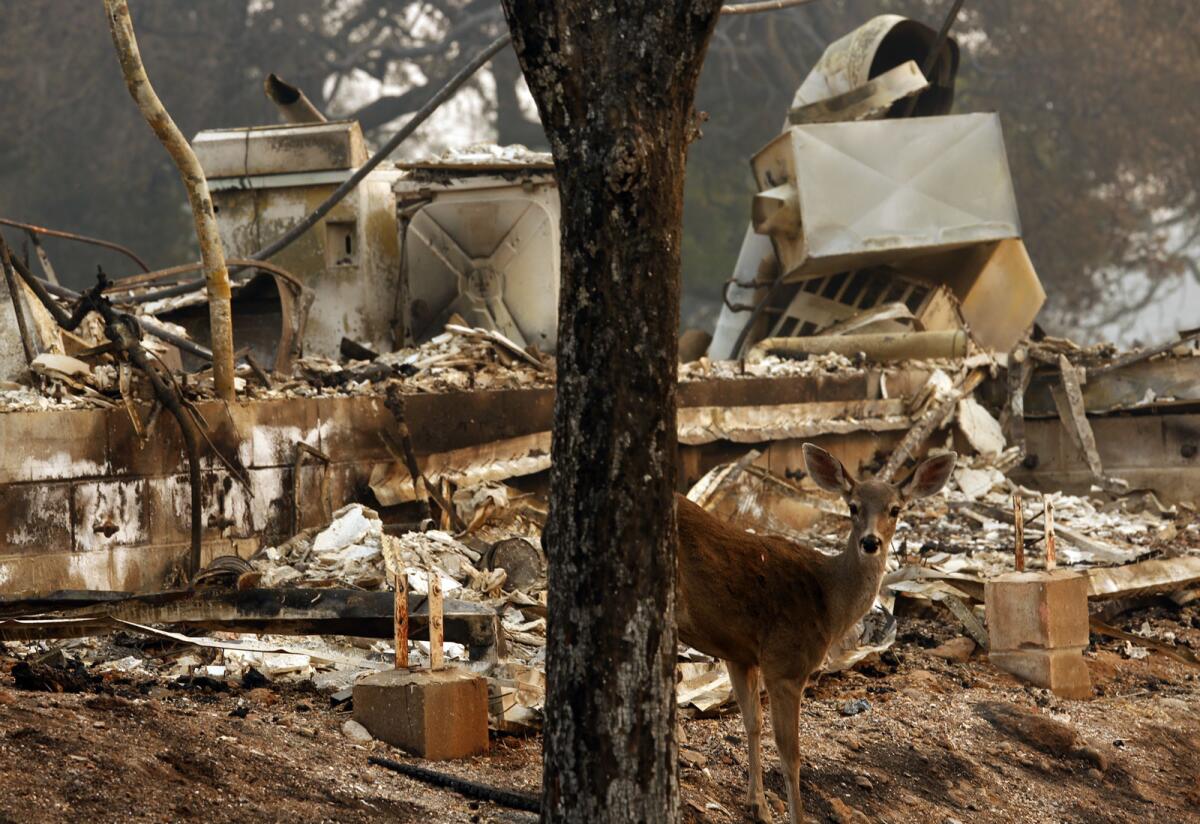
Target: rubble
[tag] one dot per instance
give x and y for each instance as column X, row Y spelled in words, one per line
column 916, row 335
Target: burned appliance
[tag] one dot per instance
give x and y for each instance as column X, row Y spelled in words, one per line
column 266, row 179
column 479, row 234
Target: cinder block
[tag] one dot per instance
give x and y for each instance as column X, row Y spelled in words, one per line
column 435, row 715
column 1040, row 610
column 1062, row 671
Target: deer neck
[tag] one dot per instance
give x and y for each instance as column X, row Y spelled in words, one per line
column 855, row 579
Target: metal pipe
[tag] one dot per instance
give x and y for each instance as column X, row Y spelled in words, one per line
column 291, row 101
column 876, row 347
column 106, row 244
column 762, row 5
column 126, row 284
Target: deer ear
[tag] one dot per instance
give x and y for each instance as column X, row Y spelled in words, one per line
column 930, row 476
column 827, row 471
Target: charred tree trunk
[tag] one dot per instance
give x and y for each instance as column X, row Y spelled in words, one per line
column 614, row 88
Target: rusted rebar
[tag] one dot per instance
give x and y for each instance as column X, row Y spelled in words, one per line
column 400, row 620
column 1019, row 533
column 93, row 241
column 1048, row 524
column 216, row 274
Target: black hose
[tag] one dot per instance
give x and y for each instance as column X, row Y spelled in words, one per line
column 505, row 798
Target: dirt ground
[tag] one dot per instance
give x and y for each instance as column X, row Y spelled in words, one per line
column 941, row 742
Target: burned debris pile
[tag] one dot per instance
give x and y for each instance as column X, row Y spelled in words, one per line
column 373, row 500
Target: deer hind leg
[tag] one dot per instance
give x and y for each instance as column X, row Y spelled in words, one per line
column 785, row 694
column 745, row 681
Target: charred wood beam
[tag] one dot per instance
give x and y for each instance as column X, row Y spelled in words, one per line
column 276, row 611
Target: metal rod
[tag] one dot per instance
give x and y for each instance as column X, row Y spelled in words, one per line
column 1019, row 532
column 43, row 258
column 935, row 53
column 93, row 241
column 1051, row 550
column 762, row 5
column 400, row 621
column 437, row 632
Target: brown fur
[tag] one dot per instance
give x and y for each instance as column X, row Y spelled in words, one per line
column 771, row 607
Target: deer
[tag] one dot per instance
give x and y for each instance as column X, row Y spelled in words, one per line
column 770, row 607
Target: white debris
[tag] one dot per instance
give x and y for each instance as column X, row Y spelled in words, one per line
column 1128, row 650
column 270, row 664
column 356, row 732
column 703, row 686
column 976, row 483
column 981, row 430
column 351, row 525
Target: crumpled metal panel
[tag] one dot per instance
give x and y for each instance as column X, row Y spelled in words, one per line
column 841, row 196
column 882, row 43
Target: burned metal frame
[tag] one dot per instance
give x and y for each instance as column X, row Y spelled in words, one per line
column 124, row 334
column 294, row 301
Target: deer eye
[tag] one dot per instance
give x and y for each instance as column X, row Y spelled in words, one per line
column 853, row 509
column 895, row 512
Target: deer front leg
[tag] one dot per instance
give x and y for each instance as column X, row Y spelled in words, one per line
column 745, row 689
column 784, row 694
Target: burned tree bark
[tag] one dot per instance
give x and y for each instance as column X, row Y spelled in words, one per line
column 215, row 272
column 614, row 88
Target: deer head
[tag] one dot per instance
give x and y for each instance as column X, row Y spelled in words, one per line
column 875, row 505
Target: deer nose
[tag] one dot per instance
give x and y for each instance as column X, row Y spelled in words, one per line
column 870, row 544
